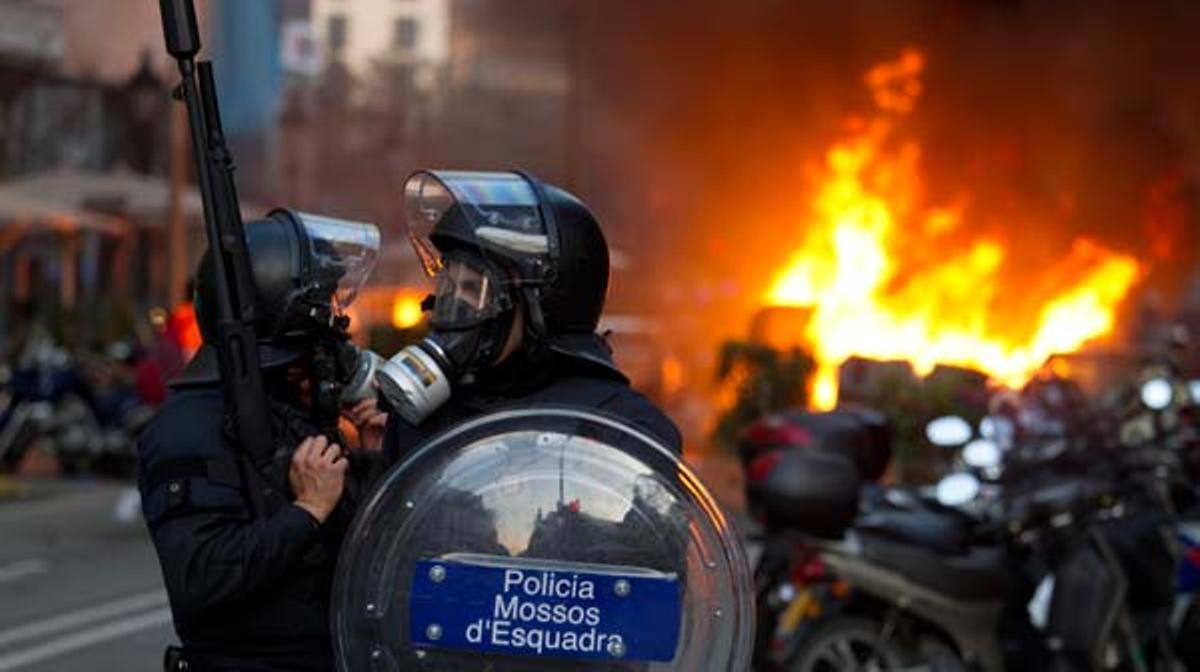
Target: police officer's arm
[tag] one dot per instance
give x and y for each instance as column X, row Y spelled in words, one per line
column 213, row 552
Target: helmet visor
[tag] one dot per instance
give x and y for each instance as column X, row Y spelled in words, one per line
column 343, row 254
column 498, row 211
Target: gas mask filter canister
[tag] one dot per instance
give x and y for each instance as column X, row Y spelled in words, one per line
column 413, row 383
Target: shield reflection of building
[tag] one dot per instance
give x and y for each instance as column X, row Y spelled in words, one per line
column 642, row 537
column 463, row 525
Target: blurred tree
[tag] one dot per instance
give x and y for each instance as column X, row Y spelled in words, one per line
column 763, row 380
column 911, row 402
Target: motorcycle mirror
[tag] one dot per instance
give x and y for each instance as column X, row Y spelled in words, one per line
column 1157, row 393
column 948, row 431
column 982, row 454
column 957, row 489
column 995, row 427
column 900, row 498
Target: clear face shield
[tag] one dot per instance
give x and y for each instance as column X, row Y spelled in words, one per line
column 337, row 258
column 499, row 213
column 342, row 254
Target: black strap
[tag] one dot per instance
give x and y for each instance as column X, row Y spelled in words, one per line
column 235, row 472
column 265, row 500
column 222, row 470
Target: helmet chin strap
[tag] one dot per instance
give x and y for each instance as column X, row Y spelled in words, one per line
column 535, row 327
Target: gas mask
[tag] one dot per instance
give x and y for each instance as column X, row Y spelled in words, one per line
column 472, row 316
column 344, row 372
column 484, row 238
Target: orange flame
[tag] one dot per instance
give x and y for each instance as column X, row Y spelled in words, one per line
column 406, row 309
column 671, row 374
column 881, row 280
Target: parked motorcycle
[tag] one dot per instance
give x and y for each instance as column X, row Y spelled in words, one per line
column 820, row 460
column 1022, row 559
column 89, row 425
column 43, row 393
column 1168, row 416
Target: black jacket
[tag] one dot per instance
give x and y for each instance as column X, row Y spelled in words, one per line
column 246, row 592
column 586, row 378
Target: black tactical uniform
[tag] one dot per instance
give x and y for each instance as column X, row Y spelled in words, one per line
column 594, row 382
column 246, row 592
column 247, row 572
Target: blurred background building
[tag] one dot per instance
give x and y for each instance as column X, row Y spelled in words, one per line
column 83, row 159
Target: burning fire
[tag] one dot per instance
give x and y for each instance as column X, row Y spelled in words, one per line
column 406, row 309
column 886, row 277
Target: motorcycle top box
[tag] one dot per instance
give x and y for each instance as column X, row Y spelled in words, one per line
column 861, row 433
column 544, row 538
column 811, row 491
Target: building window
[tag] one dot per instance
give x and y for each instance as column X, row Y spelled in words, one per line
column 336, row 35
column 404, row 34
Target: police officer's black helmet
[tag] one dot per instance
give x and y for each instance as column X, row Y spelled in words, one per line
column 545, row 236
column 305, row 269
column 574, row 298
column 277, row 264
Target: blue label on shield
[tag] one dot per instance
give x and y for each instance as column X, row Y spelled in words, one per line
column 545, row 609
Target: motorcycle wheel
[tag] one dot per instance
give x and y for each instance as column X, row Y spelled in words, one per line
column 847, row 644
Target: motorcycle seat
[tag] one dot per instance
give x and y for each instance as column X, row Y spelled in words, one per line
column 978, row 574
column 943, row 533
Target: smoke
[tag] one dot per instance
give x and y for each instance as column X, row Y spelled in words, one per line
column 702, row 122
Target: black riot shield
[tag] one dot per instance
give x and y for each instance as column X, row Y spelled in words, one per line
column 545, row 538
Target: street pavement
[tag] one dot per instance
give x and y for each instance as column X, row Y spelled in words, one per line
column 79, row 589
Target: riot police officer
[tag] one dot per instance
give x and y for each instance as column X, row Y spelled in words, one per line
column 521, row 270
column 247, row 554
